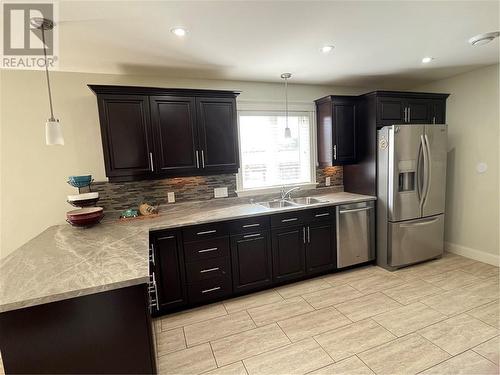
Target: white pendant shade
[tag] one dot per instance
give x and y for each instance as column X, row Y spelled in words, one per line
column 53, row 133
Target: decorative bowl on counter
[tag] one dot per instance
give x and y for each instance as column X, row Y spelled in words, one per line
column 80, row 181
column 83, row 200
column 85, row 217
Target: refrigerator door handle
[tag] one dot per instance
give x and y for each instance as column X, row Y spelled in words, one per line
column 426, row 172
column 419, row 223
column 418, row 176
column 429, row 166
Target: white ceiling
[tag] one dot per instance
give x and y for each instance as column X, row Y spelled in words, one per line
column 377, row 43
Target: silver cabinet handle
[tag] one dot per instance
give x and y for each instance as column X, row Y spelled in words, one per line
column 335, row 152
column 251, row 235
column 210, row 270
column 433, row 119
column 155, row 289
column 355, row 210
column 405, row 114
column 203, row 159
column 289, row 220
column 165, row 238
column 206, row 232
column 152, row 254
column 308, row 234
column 151, row 165
column 208, row 250
column 197, row 160
column 321, row 215
column 304, row 234
column 251, row 225
column 210, row 290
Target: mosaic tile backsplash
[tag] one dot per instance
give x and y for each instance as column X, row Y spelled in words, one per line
column 123, row 195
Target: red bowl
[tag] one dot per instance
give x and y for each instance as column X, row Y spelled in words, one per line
column 86, row 222
column 84, row 213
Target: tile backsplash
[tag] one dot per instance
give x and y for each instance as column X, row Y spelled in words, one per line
column 123, row 195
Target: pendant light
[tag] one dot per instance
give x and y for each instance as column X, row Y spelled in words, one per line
column 53, row 128
column 285, row 77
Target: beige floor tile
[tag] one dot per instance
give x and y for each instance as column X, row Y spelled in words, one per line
column 252, row 300
column 489, row 313
column 438, row 266
column 481, row 270
column 455, row 301
column 199, row 314
column 452, row 279
column 170, row 341
column 313, row 323
column 190, row 361
column 349, row 366
column 409, row 318
column 459, row 333
column 487, row 288
column 331, row 296
column 249, row 343
column 344, row 277
column 490, row 350
column 279, row 311
column 216, row 328
column 467, row 363
column 406, row 355
column 232, row 369
column 355, row 338
column 376, row 283
column 301, row 287
column 412, row 291
column 298, row 358
column 366, row 306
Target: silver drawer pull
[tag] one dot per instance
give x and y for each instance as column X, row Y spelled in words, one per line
column 251, row 235
column 206, row 232
column 165, row 238
column 251, row 225
column 210, row 290
column 208, row 250
column 355, row 210
column 288, row 220
column 210, row 270
column 320, row 215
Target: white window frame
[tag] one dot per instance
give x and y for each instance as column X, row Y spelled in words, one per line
column 240, row 191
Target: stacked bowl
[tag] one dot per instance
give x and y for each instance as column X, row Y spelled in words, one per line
column 84, row 199
column 85, row 217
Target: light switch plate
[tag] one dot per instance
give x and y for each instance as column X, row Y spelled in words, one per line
column 327, row 181
column 220, row 192
column 171, row 197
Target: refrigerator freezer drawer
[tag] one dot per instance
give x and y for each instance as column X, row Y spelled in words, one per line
column 417, row 240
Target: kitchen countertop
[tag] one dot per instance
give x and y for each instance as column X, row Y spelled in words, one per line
column 65, row 262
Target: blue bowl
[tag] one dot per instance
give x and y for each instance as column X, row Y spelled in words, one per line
column 80, row 181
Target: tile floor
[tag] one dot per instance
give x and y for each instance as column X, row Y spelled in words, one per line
column 440, row 317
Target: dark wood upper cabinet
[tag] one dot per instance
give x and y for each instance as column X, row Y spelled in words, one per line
column 155, row 132
column 418, row 111
column 126, row 135
column 438, row 111
column 390, row 111
column 337, row 124
column 218, row 136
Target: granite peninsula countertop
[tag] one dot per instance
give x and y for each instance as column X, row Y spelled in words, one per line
column 65, row 262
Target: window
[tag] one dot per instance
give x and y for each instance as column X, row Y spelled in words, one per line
column 268, row 159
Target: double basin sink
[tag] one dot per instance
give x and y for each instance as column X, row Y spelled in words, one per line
column 292, row 202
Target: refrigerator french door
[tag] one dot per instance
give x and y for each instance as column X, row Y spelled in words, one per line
column 411, row 179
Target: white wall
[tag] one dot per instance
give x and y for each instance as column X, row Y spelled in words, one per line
column 472, row 200
column 33, row 187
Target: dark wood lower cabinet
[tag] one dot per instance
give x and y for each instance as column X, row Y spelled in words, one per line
column 288, row 246
column 103, row 333
column 321, row 246
column 251, row 261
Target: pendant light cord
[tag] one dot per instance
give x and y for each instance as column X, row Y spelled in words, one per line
column 47, row 74
column 286, row 102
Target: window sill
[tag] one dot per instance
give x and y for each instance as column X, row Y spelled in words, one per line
column 274, row 189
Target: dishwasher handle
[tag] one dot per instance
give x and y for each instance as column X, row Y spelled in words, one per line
column 355, row 210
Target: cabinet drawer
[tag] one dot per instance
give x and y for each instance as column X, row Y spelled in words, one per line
column 322, row 214
column 253, row 224
column 212, row 248
column 289, row 218
column 202, row 232
column 211, row 289
column 207, row 269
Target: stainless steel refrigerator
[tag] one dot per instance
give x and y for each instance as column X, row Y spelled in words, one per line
column 411, row 183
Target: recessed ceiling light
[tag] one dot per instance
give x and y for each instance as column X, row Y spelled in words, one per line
column 482, row 39
column 179, row 31
column 327, row 49
column 427, row 59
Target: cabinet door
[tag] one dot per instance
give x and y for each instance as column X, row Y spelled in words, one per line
column 174, row 120
column 218, row 134
column 251, row 261
column 320, row 249
column 390, row 111
column 344, row 133
column 169, row 270
column 288, row 246
column 438, row 111
column 419, row 111
column 126, row 135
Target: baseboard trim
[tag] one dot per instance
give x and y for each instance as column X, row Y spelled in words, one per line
column 475, row 254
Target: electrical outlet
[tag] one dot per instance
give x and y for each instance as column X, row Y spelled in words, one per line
column 220, row 192
column 171, row 197
column 327, row 181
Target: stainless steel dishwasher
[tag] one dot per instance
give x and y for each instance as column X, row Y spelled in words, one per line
column 355, row 233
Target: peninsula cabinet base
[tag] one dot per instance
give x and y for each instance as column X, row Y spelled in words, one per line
column 106, row 333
